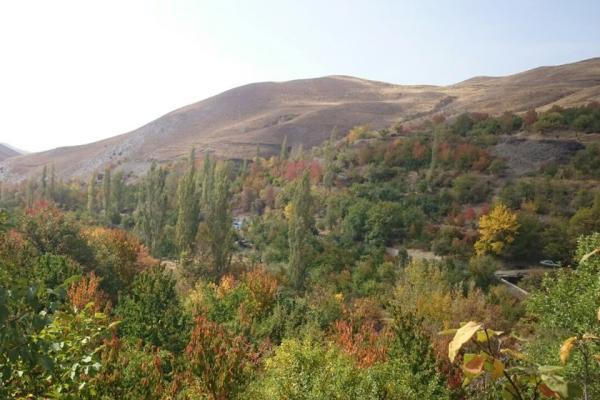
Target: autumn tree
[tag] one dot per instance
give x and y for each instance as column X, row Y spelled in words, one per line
column 119, row 256
column 219, row 360
column 300, row 231
column 187, row 209
column 152, row 208
column 496, row 230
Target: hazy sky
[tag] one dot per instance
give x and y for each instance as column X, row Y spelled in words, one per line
column 76, row 71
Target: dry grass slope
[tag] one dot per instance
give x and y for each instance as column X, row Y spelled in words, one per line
column 233, row 123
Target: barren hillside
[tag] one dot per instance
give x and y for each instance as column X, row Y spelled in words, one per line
column 233, row 123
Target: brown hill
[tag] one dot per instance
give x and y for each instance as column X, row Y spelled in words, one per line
column 233, row 123
column 7, row 152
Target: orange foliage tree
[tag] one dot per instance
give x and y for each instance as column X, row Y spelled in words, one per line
column 87, row 291
column 119, row 257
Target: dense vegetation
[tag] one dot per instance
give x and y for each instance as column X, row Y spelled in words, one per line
column 361, row 269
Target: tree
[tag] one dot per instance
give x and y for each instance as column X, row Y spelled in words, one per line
column 283, row 154
column 187, row 209
column 152, row 311
column 307, row 370
column 44, row 182
column 300, row 231
column 329, row 174
column 152, row 208
column 207, row 177
column 30, row 193
column 496, row 230
column 106, row 194
column 411, row 351
column 50, row 231
column 218, row 359
column 52, row 187
column 217, row 232
column 567, row 305
column 118, row 195
column 91, row 195
column 119, row 256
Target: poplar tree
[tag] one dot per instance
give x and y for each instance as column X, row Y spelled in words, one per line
column 187, row 209
column 329, row 175
column 91, row 195
column 30, row 193
column 118, row 191
column 218, row 232
column 106, row 194
column 208, row 172
column 52, row 188
column 44, row 182
column 151, row 210
column 283, row 154
column 300, row 232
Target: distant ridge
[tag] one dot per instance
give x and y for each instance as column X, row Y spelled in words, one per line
column 235, row 122
column 7, row 151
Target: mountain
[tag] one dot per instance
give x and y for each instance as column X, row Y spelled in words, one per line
column 234, row 123
column 7, row 151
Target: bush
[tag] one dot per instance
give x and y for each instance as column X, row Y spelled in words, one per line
column 470, row 189
column 549, row 121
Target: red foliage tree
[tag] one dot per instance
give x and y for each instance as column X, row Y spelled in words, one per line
column 218, row 360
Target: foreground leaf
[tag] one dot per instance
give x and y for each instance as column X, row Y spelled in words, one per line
column 565, row 349
column 462, row 336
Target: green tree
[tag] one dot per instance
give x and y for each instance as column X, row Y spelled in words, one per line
column 300, row 231
column 44, row 182
column 152, row 311
column 411, row 354
column 52, row 186
column 283, row 153
column 187, row 209
column 91, row 195
column 207, row 178
column 106, row 194
column 118, row 192
column 151, row 210
column 308, row 370
column 217, row 232
column 567, row 305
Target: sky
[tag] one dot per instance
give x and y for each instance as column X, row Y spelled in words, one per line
column 72, row 72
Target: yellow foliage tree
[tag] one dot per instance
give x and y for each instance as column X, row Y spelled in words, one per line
column 357, row 133
column 496, row 230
